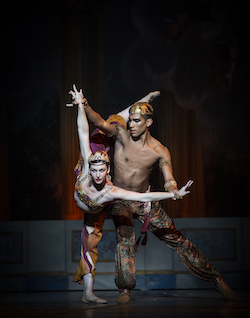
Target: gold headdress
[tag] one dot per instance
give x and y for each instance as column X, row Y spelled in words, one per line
column 142, row 109
column 99, row 156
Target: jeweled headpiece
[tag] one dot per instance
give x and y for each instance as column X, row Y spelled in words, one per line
column 99, row 156
column 142, row 109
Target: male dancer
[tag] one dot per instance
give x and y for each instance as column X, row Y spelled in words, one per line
column 135, row 153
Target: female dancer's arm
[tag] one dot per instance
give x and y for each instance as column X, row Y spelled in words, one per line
column 83, row 128
column 119, row 193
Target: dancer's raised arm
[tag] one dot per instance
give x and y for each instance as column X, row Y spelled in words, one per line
column 83, row 127
column 97, row 120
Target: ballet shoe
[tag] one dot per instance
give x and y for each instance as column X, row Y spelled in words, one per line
column 91, row 298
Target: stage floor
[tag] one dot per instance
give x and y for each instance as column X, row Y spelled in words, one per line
column 153, row 304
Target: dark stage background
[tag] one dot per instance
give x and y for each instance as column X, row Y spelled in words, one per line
column 195, row 52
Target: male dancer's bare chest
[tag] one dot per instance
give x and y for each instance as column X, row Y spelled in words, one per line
column 135, row 158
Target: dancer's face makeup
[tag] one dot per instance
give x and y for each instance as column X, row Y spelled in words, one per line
column 98, row 172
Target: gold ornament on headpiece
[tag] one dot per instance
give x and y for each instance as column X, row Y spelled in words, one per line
column 141, row 108
column 99, row 156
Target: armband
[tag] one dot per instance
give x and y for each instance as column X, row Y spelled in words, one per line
column 170, row 183
column 163, row 162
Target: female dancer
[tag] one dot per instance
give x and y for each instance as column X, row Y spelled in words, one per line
column 93, row 194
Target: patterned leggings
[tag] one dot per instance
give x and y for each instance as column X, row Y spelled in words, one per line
column 162, row 227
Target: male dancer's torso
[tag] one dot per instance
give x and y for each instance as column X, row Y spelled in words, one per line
column 133, row 162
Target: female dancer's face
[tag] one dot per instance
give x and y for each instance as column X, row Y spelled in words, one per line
column 98, row 172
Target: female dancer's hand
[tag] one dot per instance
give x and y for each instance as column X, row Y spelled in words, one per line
column 77, row 97
column 179, row 194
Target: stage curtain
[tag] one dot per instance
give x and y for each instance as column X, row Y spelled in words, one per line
column 4, row 164
column 82, row 64
column 181, row 132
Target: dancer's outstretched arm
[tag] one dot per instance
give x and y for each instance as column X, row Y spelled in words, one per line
column 118, row 193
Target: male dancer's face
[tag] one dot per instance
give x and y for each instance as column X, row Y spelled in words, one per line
column 137, row 125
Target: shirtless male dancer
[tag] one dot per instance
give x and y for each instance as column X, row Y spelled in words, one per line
column 135, row 153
